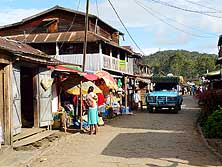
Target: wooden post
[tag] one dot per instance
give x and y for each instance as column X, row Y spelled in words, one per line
column 111, row 58
column 1, row 100
column 57, row 50
column 101, row 56
column 81, row 105
column 85, row 39
column 35, row 98
column 126, row 93
column 8, row 104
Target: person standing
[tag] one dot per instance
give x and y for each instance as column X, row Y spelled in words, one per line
column 91, row 101
column 136, row 100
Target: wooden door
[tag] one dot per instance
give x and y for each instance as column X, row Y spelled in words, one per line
column 45, row 96
column 16, row 92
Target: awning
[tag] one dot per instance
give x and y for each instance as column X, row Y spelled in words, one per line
column 71, row 69
column 213, row 75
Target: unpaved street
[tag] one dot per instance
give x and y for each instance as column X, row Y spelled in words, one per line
column 139, row 140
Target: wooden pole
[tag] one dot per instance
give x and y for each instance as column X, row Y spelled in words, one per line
column 126, row 92
column 84, row 56
column 85, row 39
column 81, row 105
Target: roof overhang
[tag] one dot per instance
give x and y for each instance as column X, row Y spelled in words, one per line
column 72, row 37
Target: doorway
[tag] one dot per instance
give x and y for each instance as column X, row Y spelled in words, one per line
column 27, row 111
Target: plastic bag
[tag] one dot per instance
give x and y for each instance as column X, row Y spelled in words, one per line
column 100, row 121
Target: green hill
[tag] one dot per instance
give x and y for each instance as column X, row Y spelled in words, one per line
column 180, row 62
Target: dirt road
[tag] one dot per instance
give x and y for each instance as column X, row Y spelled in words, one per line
column 140, row 140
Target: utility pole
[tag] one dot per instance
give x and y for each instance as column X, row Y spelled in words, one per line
column 84, row 57
column 85, row 39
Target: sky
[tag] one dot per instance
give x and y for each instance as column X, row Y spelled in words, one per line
column 154, row 25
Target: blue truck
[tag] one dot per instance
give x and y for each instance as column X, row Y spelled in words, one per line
column 165, row 94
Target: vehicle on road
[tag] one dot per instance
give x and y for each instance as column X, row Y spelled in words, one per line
column 165, row 94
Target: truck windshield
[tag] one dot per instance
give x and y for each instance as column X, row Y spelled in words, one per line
column 165, row 86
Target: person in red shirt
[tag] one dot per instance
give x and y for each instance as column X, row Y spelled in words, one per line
column 100, row 102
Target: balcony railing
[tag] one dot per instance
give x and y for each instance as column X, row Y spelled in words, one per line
column 113, row 63
column 94, row 62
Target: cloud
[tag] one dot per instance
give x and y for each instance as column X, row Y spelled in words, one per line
column 187, row 25
column 149, row 51
column 9, row 16
column 156, row 34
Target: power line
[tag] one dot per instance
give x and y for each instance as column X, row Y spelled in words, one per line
column 125, row 27
column 187, row 10
column 192, row 28
column 160, row 19
column 207, row 7
column 73, row 20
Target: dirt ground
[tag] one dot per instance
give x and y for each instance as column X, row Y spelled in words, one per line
column 139, row 140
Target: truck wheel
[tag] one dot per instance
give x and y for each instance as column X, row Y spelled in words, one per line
column 149, row 109
column 176, row 109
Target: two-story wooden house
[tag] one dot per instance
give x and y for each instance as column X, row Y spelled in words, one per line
column 59, row 32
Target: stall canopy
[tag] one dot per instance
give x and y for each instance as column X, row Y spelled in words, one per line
column 85, row 86
column 109, row 80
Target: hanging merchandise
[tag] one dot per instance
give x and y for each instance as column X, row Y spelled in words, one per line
column 119, row 83
column 46, row 83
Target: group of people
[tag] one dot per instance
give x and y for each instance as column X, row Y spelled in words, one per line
column 91, row 104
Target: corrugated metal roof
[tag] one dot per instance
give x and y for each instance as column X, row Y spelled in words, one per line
column 26, row 52
column 75, row 37
column 16, row 47
column 55, row 37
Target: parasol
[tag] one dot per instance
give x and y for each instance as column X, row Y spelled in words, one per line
column 85, row 86
column 109, row 80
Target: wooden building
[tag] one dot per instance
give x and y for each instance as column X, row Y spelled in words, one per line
column 59, row 32
column 24, row 103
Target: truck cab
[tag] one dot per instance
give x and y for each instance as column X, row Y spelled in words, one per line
column 165, row 95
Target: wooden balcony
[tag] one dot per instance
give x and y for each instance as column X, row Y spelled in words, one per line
column 98, row 61
column 112, row 63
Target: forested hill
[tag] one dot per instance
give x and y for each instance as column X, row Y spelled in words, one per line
column 180, row 62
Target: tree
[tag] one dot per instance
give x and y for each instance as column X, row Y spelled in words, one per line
column 180, row 62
